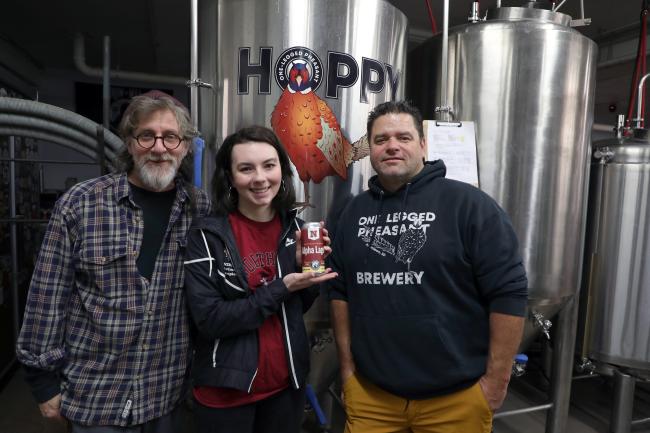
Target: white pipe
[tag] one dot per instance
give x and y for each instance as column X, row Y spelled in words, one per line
column 79, row 58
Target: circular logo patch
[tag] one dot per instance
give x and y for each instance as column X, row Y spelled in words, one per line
column 299, row 68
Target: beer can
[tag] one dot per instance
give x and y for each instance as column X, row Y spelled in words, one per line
column 313, row 247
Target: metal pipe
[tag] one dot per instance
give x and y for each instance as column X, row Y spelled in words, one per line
column 23, row 132
column 474, row 13
column 621, row 421
column 555, row 9
column 336, row 397
column 582, row 9
column 639, row 119
column 443, row 111
column 498, row 3
column 604, row 155
column 640, row 421
column 39, row 110
column 602, row 127
column 79, row 59
column 106, row 83
column 71, row 138
column 13, row 238
column 567, row 321
column 585, row 376
column 524, row 410
column 194, row 61
column 15, row 120
column 101, row 150
column 48, row 161
column 445, row 54
column 620, row 126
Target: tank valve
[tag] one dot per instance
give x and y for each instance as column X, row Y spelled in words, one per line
column 519, row 364
column 585, row 365
column 197, row 82
column 603, row 154
column 545, row 324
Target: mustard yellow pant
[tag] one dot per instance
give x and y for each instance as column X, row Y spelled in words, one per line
column 370, row 409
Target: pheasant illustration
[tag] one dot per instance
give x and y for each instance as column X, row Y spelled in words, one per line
column 310, row 132
column 383, row 245
column 410, row 243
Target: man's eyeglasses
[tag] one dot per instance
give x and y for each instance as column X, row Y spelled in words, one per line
column 147, row 140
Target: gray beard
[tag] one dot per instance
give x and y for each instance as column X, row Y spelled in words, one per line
column 157, row 179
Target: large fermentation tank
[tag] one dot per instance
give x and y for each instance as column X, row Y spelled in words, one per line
column 358, row 48
column 617, row 289
column 527, row 79
column 357, row 51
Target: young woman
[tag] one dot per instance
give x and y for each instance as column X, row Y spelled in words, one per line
column 247, row 295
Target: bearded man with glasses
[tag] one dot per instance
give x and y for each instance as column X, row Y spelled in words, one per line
column 105, row 340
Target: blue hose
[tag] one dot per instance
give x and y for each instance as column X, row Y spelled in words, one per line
column 313, row 401
column 199, row 145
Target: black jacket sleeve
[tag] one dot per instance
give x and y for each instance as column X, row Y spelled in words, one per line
column 336, row 288
column 215, row 311
column 44, row 384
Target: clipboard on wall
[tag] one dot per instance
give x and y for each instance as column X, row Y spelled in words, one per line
column 455, row 144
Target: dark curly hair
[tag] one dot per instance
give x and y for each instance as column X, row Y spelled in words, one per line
column 224, row 197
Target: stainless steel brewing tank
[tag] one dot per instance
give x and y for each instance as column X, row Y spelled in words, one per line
column 617, row 289
column 527, row 79
column 355, row 53
column 356, row 48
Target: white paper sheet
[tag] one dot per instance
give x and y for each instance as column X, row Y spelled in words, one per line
column 455, row 144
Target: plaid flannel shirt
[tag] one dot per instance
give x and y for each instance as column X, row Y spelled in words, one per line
column 118, row 342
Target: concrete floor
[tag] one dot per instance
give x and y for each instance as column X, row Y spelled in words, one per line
column 589, row 412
